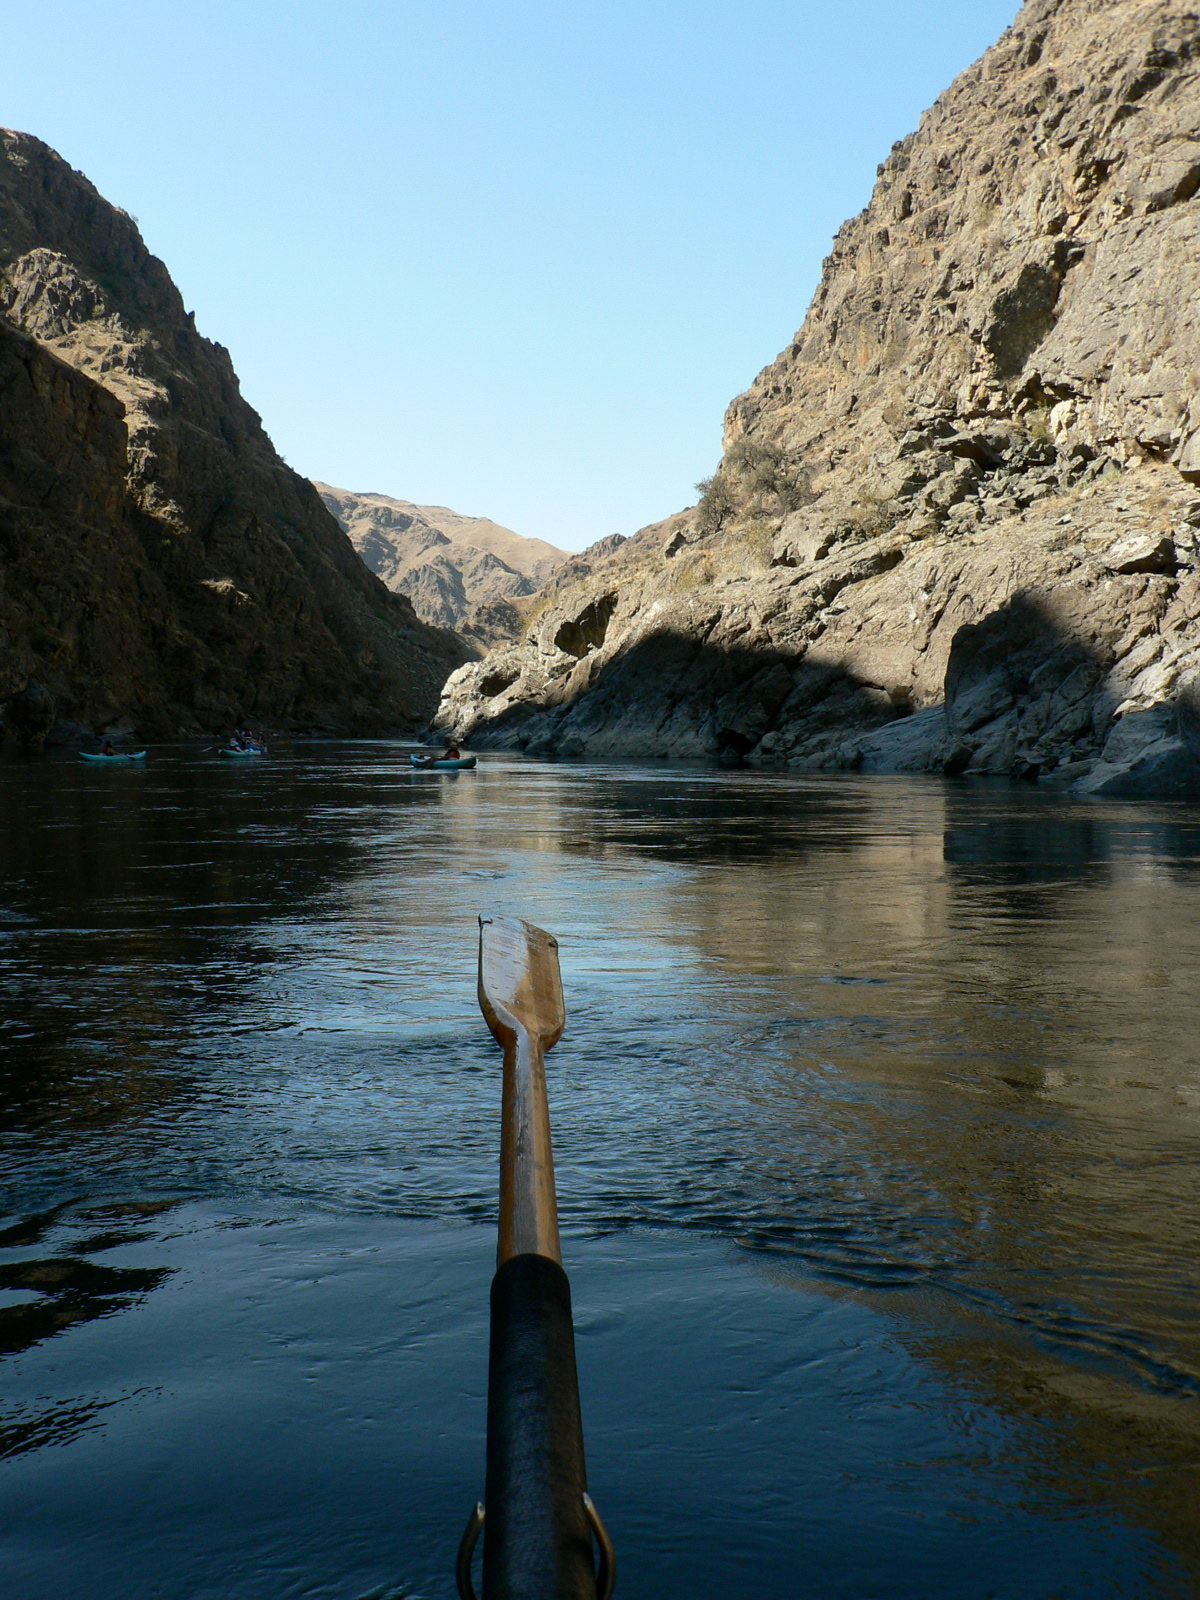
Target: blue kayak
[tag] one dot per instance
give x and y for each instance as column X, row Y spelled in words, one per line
column 463, row 764
column 134, row 755
column 234, row 755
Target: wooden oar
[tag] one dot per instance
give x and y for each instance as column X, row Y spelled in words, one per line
column 540, row 1519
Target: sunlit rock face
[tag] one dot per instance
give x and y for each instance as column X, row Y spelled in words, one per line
column 160, row 565
column 956, row 526
column 459, row 572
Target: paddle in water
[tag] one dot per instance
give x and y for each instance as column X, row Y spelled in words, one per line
column 540, row 1520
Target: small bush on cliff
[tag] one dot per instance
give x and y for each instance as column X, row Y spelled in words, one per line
column 716, row 503
column 754, row 479
column 1037, row 424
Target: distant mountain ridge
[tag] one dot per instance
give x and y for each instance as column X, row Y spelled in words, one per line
column 459, row 572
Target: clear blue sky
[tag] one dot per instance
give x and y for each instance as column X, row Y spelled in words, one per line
column 512, row 256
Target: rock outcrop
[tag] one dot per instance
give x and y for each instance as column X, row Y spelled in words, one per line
column 459, row 572
column 956, row 526
column 159, row 564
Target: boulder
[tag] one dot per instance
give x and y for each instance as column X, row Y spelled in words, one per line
column 801, row 542
column 1154, row 753
column 1142, row 552
column 29, row 715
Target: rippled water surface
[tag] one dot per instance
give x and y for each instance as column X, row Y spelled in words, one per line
column 877, row 1122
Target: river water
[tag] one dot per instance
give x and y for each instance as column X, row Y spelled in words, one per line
column 876, row 1121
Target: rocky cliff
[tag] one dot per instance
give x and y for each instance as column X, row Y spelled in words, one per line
column 955, row 527
column 459, row 572
column 158, row 561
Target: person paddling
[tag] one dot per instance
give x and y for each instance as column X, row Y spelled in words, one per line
column 450, row 753
column 106, row 749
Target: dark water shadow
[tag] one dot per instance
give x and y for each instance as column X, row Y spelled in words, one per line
column 133, row 904
column 65, row 1289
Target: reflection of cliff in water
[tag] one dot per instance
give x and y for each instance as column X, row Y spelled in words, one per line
column 53, row 1282
column 1138, row 1441
column 954, row 1031
column 925, row 1040
column 1015, row 1021
column 678, row 815
column 982, row 1097
column 137, row 910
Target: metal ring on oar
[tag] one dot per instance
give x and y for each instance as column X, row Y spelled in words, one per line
column 466, row 1550
column 606, row 1568
column 606, row 1572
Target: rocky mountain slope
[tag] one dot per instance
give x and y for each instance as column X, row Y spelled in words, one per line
column 956, row 525
column 159, row 564
column 459, row 572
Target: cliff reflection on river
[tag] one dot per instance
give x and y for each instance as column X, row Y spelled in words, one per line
column 929, row 1046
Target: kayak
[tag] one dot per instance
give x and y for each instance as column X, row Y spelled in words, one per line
column 134, row 755
column 463, row 764
column 235, row 754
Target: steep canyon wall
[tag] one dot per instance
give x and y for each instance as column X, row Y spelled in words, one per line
column 956, row 526
column 159, row 563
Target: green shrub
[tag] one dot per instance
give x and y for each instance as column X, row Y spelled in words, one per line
column 716, row 504
column 755, row 479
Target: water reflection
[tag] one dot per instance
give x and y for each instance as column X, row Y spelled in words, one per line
column 50, row 1282
column 931, row 1045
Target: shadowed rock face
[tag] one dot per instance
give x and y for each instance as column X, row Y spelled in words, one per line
column 158, row 561
column 459, row 572
column 987, row 430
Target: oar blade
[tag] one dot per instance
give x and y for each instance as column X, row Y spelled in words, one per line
column 520, row 987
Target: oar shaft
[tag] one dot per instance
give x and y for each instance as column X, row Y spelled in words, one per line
column 528, row 1205
column 537, row 1541
column 538, row 1533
